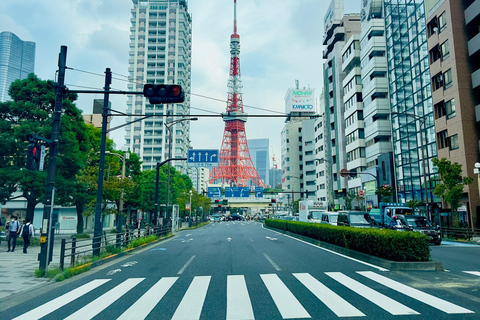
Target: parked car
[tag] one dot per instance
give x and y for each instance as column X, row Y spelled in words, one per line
column 358, row 219
column 329, row 217
column 420, row 224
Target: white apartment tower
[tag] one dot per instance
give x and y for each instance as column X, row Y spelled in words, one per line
column 321, row 160
column 160, row 53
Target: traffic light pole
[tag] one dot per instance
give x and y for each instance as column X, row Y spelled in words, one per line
column 43, row 258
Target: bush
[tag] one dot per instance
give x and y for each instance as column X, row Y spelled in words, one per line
column 142, row 241
column 33, row 241
column 81, row 236
column 388, row 244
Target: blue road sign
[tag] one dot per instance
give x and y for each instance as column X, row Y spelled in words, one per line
column 202, row 158
column 245, row 192
column 258, row 192
column 228, row 192
column 214, row 192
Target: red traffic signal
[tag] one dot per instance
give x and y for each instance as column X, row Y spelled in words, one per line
column 217, row 201
column 33, row 156
column 163, row 93
column 274, row 200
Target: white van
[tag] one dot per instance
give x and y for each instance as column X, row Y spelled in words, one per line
column 330, row 218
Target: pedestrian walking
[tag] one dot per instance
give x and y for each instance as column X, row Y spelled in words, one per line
column 27, row 232
column 13, row 231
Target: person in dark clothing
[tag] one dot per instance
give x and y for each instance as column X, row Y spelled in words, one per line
column 13, row 231
column 27, row 232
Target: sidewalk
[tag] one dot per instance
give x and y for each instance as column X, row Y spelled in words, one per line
column 18, row 268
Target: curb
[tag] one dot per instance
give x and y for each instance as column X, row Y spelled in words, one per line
column 388, row 264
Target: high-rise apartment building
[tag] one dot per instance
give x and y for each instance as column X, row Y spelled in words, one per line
column 410, row 99
column 454, row 51
column 338, row 30
column 199, row 177
column 308, row 154
column 160, row 53
column 260, row 157
column 321, row 161
column 17, row 60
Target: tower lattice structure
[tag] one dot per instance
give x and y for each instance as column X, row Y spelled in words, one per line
column 235, row 164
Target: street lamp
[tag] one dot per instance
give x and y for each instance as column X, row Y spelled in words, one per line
column 190, row 211
column 168, row 126
column 422, row 122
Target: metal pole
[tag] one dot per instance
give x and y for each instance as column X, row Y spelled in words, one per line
column 98, row 207
column 52, row 164
column 120, row 205
column 155, row 210
column 168, row 170
column 50, row 232
column 424, row 170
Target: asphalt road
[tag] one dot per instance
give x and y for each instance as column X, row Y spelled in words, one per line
column 240, row 270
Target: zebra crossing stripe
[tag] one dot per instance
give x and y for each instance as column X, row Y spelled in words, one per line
column 332, row 300
column 377, row 298
column 101, row 303
column 475, row 273
column 59, row 302
column 285, row 301
column 239, row 305
column 191, row 305
column 426, row 298
column 143, row 306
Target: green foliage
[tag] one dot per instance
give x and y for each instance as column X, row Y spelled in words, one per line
column 414, row 203
column 34, row 242
column 388, row 244
column 142, row 241
column 348, row 200
column 384, row 193
column 80, row 236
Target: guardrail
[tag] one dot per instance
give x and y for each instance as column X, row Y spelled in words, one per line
column 460, row 233
column 119, row 240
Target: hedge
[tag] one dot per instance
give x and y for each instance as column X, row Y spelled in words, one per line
column 388, row 244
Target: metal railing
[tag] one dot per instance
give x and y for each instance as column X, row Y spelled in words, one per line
column 460, row 233
column 84, row 247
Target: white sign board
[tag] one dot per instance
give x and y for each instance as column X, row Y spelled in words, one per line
column 300, row 100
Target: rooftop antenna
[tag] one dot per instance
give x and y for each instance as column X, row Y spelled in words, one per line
column 297, row 83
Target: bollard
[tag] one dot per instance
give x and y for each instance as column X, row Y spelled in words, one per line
column 62, row 254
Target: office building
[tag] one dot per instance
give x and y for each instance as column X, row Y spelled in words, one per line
column 275, row 177
column 17, row 60
column 160, row 53
column 454, row 56
column 321, row 162
column 260, row 157
column 95, row 118
column 199, row 177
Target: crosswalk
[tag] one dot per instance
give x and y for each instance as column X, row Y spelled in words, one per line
column 237, row 299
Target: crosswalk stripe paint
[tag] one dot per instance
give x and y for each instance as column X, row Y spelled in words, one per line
column 101, row 303
column 332, row 300
column 59, row 302
column 238, row 300
column 143, row 306
column 285, row 301
column 426, row 298
column 377, row 298
column 191, row 305
column 475, row 273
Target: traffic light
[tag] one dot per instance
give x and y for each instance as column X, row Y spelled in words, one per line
column 33, row 156
column 270, row 204
column 225, row 202
column 217, row 201
column 274, row 200
column 163, row 93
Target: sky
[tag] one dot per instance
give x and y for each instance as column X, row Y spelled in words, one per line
column 281, row 41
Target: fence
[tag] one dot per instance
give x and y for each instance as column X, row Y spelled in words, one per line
column 118, row 240
column 460, row 233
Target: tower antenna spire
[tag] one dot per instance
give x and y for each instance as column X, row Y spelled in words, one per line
column 234, row 16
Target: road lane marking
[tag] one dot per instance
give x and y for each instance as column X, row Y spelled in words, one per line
column 143, row 306
column 229, row 239
column 284, row 299
column 273, row 263
column 475, row 273
column 186, row 265
column 239, row 306
column 112, row 272
column 426, row 298
column 129, row 264
column 270, row 238
column 384, row 302
column 191, row 305
column 101, row 303
column 59, row 302
column 331, row 251
column 332, row 300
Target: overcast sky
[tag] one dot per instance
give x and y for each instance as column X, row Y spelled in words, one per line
column 280, row 42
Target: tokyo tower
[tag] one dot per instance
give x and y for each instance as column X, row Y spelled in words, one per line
column 235, row 165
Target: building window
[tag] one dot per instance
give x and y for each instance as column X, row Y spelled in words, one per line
column 437, row 81
column 447, row 78
column 434, row 54
column 442, row 21
column 442, row 138
column 454, row 142
column 440, row 110
column 445, row 48
column 450, row 108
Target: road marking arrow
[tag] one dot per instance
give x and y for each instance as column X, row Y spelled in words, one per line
column 229, row 239
column 273, row 239
column 129, row 264
column 112, row 272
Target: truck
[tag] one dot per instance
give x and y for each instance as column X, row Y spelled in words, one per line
column 311, row 211
column 384, row 214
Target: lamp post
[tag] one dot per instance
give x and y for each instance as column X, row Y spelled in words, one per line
column 168, row 126
column 190, row 211
column 422, row 122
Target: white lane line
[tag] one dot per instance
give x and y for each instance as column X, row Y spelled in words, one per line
column 284, row 299
column 328, row 250
column 239, row 306
column 426, row 298
column 143, row 306
column 377, row 298
column 332, row 300
column 59, row 302
column 273, row 263
column 101, row 303
column 475, row 273
column 186, row 265
column 191, row 305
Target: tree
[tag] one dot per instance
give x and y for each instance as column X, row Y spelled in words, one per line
column 384, row 193
column 451, row 188
column 414, row 203
column 348, row 200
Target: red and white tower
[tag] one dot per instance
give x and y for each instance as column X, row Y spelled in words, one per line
column 235, row 164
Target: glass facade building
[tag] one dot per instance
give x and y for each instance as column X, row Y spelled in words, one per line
column 410, row 98
column 260, row 157
column 17, row 60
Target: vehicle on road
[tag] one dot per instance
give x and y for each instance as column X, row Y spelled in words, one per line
column 329, row 217
column 420, row 224
column 311, row 211
column 358, row 219
column 386, row 211
column 235, row 217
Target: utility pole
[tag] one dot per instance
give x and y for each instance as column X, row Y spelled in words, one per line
column 97, row 233
column 52, row 164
